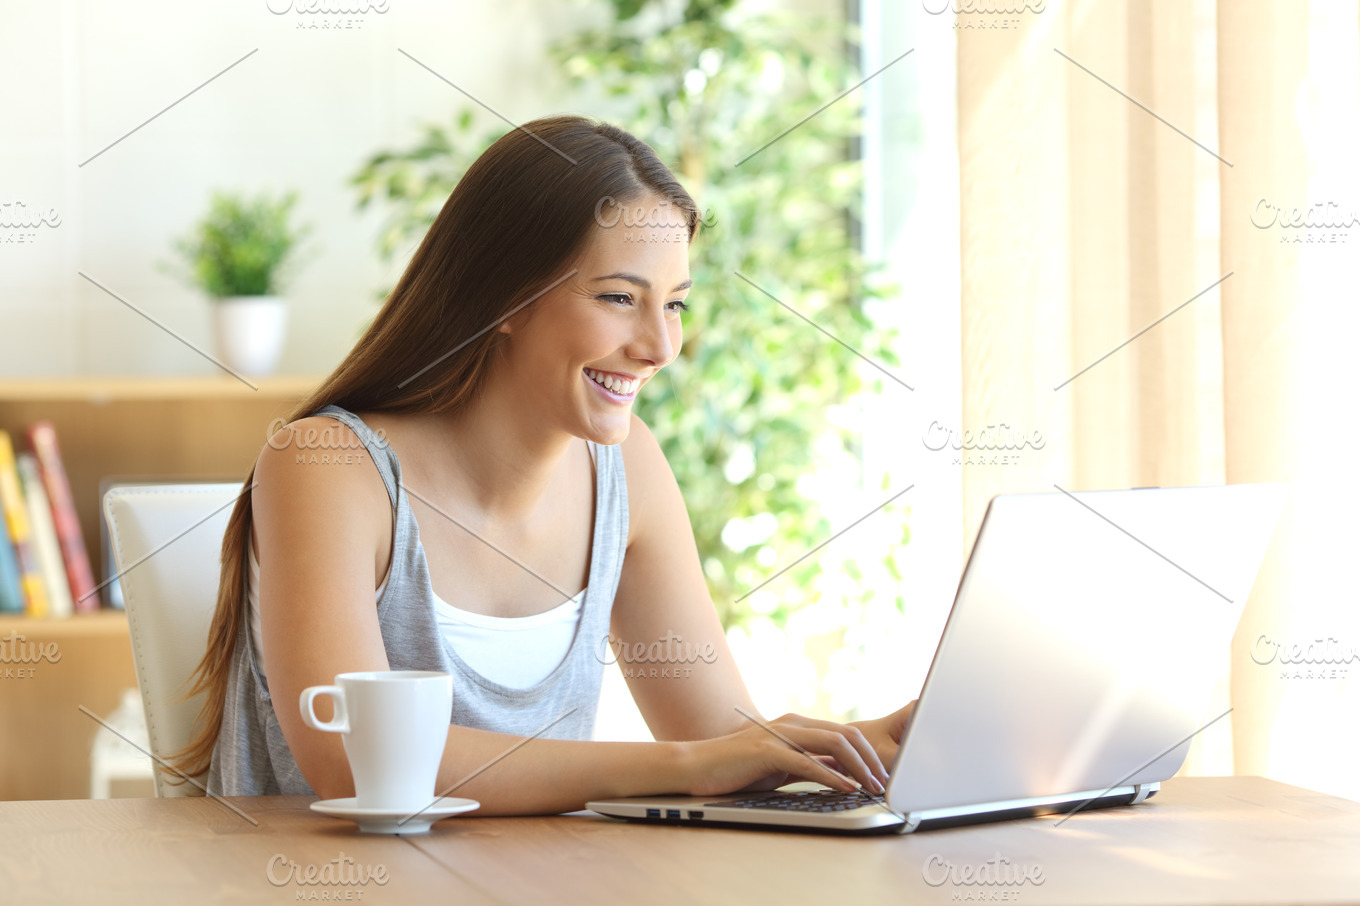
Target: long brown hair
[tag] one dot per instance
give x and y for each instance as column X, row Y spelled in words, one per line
column 515, row 221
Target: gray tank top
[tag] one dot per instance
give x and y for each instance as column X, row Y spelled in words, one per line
column 251, row 757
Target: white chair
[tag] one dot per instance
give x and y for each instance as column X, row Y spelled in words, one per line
column 167, row 544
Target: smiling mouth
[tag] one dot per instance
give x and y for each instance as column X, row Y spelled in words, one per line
column 623, row 388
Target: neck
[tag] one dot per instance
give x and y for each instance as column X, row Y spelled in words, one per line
column 503, row 454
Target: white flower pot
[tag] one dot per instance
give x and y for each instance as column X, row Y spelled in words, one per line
column 250, row 331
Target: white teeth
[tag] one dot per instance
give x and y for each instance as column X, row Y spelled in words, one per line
column 615, row 384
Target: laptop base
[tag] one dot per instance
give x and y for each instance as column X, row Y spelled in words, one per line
column 685, row 811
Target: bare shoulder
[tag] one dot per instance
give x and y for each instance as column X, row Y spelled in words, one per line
column 650, row 479
column 316, row 475
column 644, row 463
column 318, row 440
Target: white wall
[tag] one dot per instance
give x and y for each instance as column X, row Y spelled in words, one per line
column 302, row 112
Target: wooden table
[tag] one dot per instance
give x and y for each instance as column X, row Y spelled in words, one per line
column 1201, row 840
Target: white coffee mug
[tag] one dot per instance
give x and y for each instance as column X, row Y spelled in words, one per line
column 394, row 725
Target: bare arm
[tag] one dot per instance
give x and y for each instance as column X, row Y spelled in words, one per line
column 666, row 633
column 671, row 646
column 319, row 531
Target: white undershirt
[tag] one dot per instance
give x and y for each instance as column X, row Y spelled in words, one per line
column 517, row 652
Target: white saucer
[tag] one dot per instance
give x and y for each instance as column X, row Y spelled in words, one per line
column 394, row 821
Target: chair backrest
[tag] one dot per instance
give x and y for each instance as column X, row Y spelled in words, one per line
column 167, row 544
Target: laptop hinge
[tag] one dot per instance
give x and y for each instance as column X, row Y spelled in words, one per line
column 1142, row 790
column 909, row 824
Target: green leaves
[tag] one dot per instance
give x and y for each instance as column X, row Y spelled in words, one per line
column 242, row 246
column 414, row 184
column 708, row 91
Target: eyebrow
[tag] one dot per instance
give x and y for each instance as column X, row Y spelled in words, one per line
column 640, row 281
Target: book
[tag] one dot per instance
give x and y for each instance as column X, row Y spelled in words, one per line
column 46, row 549
column 42, row 438
column 12, row 598
column 20, row 533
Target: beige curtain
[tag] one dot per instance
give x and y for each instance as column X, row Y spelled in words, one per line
column 1087, row 216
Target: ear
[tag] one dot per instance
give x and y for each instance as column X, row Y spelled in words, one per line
column 505, row 326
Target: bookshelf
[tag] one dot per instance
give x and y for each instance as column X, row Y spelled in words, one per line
column 146, row 428
column 46, row 742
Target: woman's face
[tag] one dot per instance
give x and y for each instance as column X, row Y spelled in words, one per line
column 580, row 354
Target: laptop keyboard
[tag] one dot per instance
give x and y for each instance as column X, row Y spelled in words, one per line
column 805, row 801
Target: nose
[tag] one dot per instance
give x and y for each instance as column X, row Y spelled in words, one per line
column 657, row 340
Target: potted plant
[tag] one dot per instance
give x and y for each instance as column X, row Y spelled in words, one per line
column 237, row 254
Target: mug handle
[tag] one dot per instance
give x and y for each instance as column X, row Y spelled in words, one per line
column 339, row 722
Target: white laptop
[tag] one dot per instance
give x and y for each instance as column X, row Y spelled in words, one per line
column 1073, row 673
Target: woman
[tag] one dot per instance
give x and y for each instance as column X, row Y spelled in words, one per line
column 473, row 462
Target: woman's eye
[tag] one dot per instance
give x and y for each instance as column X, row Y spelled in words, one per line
column 676, row 305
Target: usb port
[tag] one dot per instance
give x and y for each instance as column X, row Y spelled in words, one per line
column 653, row 813
column 672, row 813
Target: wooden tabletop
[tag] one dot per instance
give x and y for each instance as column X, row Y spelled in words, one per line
column 1201, row 840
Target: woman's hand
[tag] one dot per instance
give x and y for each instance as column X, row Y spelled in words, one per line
column 754, row 758
column 885, row 733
